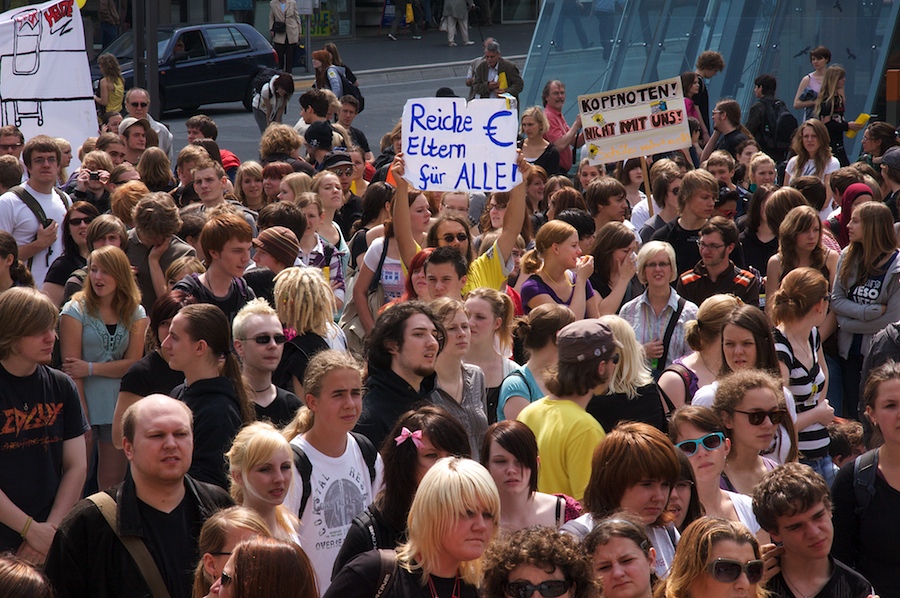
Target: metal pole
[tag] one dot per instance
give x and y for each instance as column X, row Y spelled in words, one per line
column 138, row 26
column 152, row 26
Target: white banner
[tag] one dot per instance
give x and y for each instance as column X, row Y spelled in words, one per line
column 45, row 81
column 634, row 121
column 451, row 146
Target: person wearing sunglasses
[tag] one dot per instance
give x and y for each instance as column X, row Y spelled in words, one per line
column 219, row 536
column 75, row 250
column 199, row 344
column 793, row 504
column 700, row 434
column 453, row 518
column 137, row 105
column 633, row 469
column 259, row 341
column 622, row 557
column 666, row 178
column 538, row 562
column 262, row 566
column 716, row 557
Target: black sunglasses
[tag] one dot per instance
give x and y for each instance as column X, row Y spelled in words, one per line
column 548, row 589
column 728, row 570
column 449, row 237
column 710, row 442
column 776, row 416
column 137, row 104
column 265, row 339
column 226, row 579
column 80, row 221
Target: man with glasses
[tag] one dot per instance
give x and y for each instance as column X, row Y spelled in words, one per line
column 715, row 272
column 12, row 141
column 33, row 211
column 158, row 507
column 259, row 341
column 793, row 504
column 566, row 433
column 137, row 104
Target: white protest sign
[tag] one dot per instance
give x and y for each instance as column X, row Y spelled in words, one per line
column 634, row 121
column 45, row 81
column 451, row 146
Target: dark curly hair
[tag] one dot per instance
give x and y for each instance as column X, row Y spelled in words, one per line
column 542, row 547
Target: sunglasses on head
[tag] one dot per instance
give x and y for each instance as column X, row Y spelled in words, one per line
column 449, row 237
column 265, row 339
column 80, row 221
column 710, row 442
column 776, row 416
column 728, row 570
column 548, row 589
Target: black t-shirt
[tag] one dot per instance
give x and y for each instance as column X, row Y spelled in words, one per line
column 262, row 281
column 701, row 101
column 41, row 411
column 238, row 295
column 359, row 138
column 730, row 142
column 610, row 409
column 62, row 267
column 757, row 253
column 361, row 577
column 280, row 411
column 150, row 375
column 687, row 254
column 297, row 353
column 358, row 247
column 844, row 583
column 172, row 540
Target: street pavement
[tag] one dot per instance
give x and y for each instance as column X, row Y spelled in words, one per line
column 389, row 73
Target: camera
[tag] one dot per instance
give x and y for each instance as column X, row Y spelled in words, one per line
column 94, row 175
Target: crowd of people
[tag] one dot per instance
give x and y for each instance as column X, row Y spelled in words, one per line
column 673, row 376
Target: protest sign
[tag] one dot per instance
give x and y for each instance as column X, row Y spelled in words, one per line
column 634, row 121
column 45, row 81
column 449, row 145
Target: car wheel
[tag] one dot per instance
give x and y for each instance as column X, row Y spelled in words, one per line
column 248, row 97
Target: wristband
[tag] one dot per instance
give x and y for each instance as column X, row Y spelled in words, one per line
column 26, row 528
column 90, row 368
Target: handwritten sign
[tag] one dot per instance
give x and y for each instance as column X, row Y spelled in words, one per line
column 453, row 146
column 634, row 121
column 45, row 81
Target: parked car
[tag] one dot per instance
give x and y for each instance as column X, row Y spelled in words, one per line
column 199, row 64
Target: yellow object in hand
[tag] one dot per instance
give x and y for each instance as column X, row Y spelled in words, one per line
column 502, row 82
column 862, row 119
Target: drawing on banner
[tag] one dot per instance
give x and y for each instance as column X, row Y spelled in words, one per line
column 44, row 74
column 634, row 121
column 449, row 145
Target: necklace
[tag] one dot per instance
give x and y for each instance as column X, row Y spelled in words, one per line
column 263, row 389
column 455, row 593
column 556, row 282
column 796, row 589
column 703, row 361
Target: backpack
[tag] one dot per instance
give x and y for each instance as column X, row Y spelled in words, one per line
column 780, row 125
column 352, row 89
column 262, row 77
column 864, row 470
column 304, row 466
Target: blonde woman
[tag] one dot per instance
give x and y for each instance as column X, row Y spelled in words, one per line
column 293, row 185
column 336, row 459
column 219, row 536
column 112, row 86
column 453, row 518
column 535, row 149
column 260, row 464
column 248, row 185
column 491, row 316
column 101, row 334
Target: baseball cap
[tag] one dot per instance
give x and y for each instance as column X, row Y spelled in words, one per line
column 131, row 121
column 586, row 340
column 319, row 134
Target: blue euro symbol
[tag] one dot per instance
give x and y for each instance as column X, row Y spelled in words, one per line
column 490, row 128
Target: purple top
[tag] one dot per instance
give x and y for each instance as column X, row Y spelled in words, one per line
column 535, row 286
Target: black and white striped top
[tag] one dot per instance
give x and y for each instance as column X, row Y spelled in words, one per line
column 806, row 386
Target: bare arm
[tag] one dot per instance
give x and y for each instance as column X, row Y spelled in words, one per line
column 360, row 296
column 78, row 368
column 570, row 138
column 514, row 406
column 609, row 305
column 56, row 292
column 804, row 83
column 515, row 212
column 406, row 243
column 673, row 385
column 70, row 330
column 103, row 100
column 710, row 146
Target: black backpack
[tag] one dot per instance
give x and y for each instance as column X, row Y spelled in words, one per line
column 304, row 466
column 262, row 77
column 865, row 469
column 780, row 125
column 352, row 89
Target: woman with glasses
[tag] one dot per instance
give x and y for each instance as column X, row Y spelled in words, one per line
column 798, row 308
column 659, row 315
column 219, row 536
column 866, row 295
column 716, row 557
column 700, row 435
column 453, row 518
column 539, row 561
column 75, row 250
column 633, row 469
column 622, row 557
column 878, row 138
column 264, row 566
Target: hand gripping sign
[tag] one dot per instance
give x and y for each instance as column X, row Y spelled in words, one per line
column 449, row 145
column 634, row 121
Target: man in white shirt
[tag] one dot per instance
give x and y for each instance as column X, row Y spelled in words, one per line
column 36, row 233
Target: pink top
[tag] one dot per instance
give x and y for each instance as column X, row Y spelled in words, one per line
column 558, row 128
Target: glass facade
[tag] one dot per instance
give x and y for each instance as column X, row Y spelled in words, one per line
column 607, row 44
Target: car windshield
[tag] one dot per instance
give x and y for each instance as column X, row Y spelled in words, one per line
column 123, row 46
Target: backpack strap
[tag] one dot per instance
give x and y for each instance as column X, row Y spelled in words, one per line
column 376, row 279
column 36, row 209
column 304, row 468
column 370, row 455
column 670, row 330
column 135, row 546
column 560, row 504
column 366, row 520
column 865, row 469
column 389, row 570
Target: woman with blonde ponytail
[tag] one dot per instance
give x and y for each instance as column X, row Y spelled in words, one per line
column 798, row 308
column 199, row 344
column 13, row 273
column 336, row 481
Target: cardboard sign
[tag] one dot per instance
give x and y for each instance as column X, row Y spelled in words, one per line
column 634, row 121
column 45, row 81
column 449, row 145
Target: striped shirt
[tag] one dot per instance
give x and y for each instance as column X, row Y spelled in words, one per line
column 806, row 386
